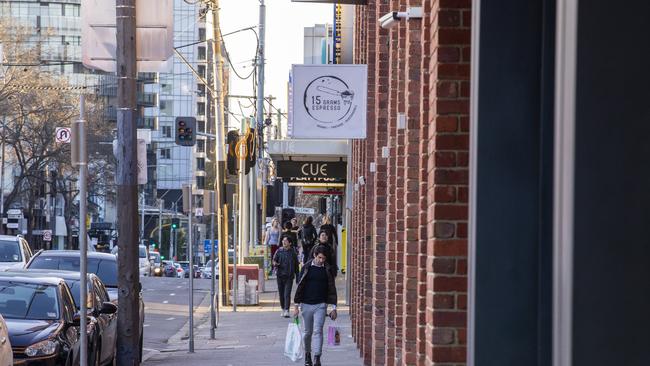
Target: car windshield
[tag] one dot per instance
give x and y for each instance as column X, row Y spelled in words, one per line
column 10, row 251
column 28, row 301
column 143, row 251
column 185, row 265
column 155, row 257
column 76, row 293
column 105, row 269
column 208, row 264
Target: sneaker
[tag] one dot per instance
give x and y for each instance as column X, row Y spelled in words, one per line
column 286, row 313
column 317, row 360
column 282, row 314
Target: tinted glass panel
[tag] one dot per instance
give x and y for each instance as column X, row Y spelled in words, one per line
column 28, row 301
column 106, row 270
column 10, row 251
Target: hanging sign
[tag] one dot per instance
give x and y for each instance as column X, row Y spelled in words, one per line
column 312, row 171
column 328, row 101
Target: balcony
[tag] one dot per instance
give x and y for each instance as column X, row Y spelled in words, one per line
column 147, row 99
column 146, row 122
column 148, row 77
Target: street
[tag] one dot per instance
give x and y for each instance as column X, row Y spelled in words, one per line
column 166, row 309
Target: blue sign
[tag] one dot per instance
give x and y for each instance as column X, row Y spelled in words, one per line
column 207, row 248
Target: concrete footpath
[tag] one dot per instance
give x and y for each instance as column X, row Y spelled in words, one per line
column 254, row 335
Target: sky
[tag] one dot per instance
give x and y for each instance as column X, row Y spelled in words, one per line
column 284, row 42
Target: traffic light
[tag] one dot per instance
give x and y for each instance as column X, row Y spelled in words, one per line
column 185, row 131
column 175, row 222
column 231, row 162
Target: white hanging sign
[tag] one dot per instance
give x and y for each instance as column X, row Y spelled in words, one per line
column 328, row 101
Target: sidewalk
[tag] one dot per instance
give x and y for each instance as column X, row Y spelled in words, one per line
column 254, row 335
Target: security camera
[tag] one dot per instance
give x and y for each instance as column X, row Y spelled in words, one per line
column 389, row 20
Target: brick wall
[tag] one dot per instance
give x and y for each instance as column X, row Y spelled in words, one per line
column 409, row 224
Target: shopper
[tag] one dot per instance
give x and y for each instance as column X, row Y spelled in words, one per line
column 285, row 263
column 294, row 224
column 288, row 231
column 324, row 241
column 326, row 226
column 307, row 236
column 316, row 290
column 272, row 236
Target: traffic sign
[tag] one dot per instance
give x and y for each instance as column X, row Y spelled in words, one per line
column 207, row 248
column 198, row 212
column 63, row 135
column 304, row 210
column 47, row 235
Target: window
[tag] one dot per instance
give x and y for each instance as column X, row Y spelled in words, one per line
column 201, row 34
column 166, row 107
column 201, row 89
column 200, row 126
column 166, row 131
column 165, row 153
column 200, row 146
column 201, row 70
column 200, row 109
column 200, row 182
column 202, row 53
column 200, row 163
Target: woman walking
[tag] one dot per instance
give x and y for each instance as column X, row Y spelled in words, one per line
column 285, row 262
column 316, row 290
column 330, row 252
column 327, row 227
column 307, row 236
column 288, row 232
column 272, row 237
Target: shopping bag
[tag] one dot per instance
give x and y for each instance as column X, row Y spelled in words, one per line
column 293, row 347
column 333, row 334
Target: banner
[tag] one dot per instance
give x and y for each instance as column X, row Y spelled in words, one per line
column 328, row 101
column 292, row 171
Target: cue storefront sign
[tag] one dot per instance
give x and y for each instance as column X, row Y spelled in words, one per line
column 312, row 171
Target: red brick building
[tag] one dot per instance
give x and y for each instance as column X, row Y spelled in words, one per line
column 409, row 230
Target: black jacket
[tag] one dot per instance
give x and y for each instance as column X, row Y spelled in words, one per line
column 331, row 233
column 287, row 263
column 292, row 236
column 307, row 234
column 331, row 285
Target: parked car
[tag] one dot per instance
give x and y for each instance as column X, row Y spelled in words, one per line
column 6, row 353
column 145, row 265
column 102, row 317
column 156, row 263
column 206, row 271
column 102, row 264
column 40, row 317
column 14, row 252
column 169, row 270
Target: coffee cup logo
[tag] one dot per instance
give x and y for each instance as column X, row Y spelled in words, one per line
column 329, row 101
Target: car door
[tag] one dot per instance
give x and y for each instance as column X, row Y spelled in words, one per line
column 27, row 251
column 71, row 335
column 6, row 354
column 107, row 321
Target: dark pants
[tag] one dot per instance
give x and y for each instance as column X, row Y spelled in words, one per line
column 285, row 284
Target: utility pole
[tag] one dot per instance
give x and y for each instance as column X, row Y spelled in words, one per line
column 141, row 241
column 80, row 160
column 160, row 210
column 2, row 179
column 214, row 39
column 188, row 207
column 254, row 213
column 128, row 318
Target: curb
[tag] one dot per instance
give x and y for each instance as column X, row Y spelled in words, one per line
column 182, row 335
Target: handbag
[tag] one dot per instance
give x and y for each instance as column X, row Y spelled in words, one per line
column 293, row 347
column 333, row 334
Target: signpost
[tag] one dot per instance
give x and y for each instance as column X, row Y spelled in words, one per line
column 63, row 135
column 312, row 171
column 47, row 235
column 207, row 248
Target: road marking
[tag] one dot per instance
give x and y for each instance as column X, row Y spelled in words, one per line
column 172, row 294
column 145, row 325
column 179, row 286
column 168, row 319
column 165, row 302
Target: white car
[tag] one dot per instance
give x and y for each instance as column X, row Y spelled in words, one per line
column 206, row 271
column 6, row 354
column 145, row 264
column 180, row 272
column 14, row 252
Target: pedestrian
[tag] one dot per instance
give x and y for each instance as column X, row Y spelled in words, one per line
column 288, row 231
column 272, row 237
column 307, row 236
column 324, row 241
column 285, row 262
column 316, row 290
column 326, row 226
column 294, row 224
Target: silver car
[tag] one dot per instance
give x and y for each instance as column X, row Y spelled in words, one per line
column 14, row 252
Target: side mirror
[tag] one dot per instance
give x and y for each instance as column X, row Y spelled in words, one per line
column 76, row 320
column 108, row 308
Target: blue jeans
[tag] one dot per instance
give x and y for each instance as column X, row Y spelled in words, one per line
column 313, row 317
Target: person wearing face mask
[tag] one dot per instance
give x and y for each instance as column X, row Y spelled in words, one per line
column 316, row 291
column 285, row 262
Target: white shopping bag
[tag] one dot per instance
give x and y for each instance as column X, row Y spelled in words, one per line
column 293, row 347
